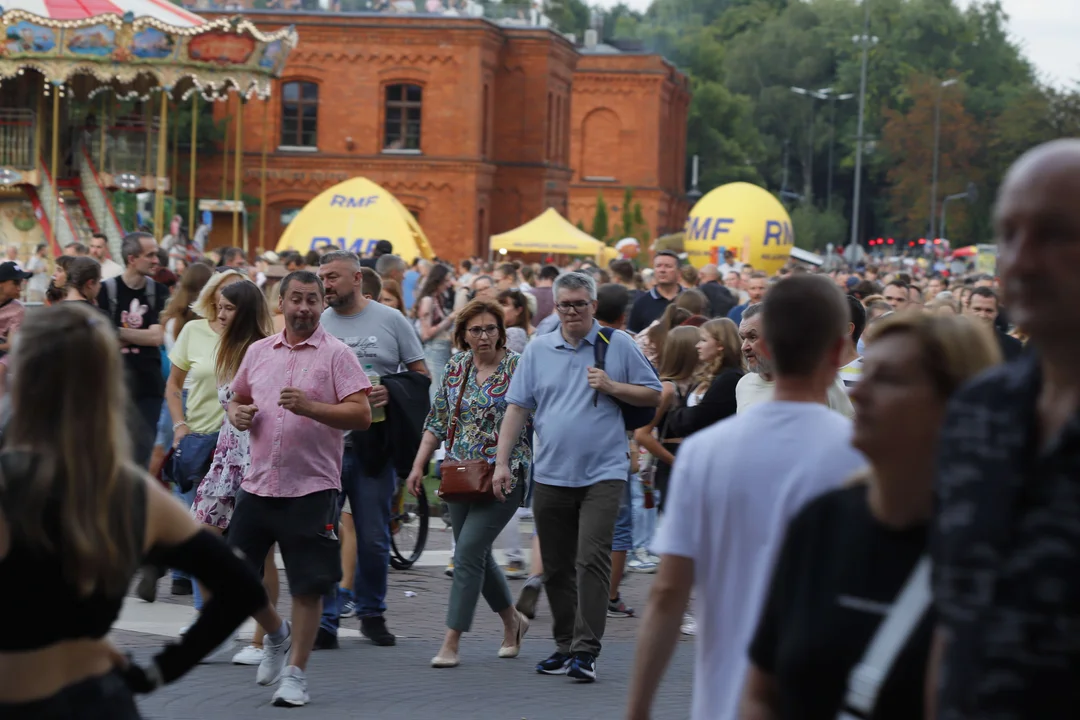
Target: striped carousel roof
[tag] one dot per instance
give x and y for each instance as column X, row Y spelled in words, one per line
column 68, row 10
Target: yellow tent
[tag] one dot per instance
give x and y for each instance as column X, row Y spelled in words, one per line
column 354, row 215
column 549, row 232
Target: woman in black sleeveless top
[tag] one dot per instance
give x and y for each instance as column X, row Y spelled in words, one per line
column 77, row 517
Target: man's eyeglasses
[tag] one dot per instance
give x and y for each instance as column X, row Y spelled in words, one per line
column 576, row 306
column 490, row 330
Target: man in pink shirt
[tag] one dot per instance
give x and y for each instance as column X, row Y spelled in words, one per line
column 296, row 391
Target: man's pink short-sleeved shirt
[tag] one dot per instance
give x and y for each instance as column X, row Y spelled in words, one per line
column 291, row 455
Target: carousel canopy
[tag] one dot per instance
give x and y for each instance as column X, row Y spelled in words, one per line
column 161, row 10
column 126, row 43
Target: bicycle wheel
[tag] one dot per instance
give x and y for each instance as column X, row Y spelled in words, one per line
column 408, row 531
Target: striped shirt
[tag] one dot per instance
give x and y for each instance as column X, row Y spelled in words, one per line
column 851, row 373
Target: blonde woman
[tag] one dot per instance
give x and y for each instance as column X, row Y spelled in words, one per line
column 722, row 366
column 77, row 518
column 864, row 540
column 678, row 370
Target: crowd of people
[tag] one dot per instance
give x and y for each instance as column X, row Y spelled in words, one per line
column 840, row 488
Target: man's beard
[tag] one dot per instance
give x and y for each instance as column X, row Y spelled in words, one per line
column 301, row 324
column 336, row 301
column 761, row 366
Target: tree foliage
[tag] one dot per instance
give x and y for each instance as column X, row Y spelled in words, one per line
column 745, row 123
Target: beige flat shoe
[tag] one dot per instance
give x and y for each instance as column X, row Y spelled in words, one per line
column 512, row 651
column 444, row 662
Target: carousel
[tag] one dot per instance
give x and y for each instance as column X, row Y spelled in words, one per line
column 87, row 94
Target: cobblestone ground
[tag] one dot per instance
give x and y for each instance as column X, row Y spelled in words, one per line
column 366, row 682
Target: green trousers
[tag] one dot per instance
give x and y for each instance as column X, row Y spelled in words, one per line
column 476, row 525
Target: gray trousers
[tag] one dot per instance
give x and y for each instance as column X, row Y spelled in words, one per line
column 575, row 526
column 476, row 525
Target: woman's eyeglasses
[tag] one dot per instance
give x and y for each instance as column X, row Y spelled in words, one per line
column 478, row 331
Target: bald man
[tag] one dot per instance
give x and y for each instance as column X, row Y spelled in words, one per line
column 1006, row 537
column 721, row 300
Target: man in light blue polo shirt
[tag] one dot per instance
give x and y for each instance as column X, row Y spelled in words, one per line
column 581, row 460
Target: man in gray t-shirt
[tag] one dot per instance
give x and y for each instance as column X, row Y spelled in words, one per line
column 382, row 338
column 379, row 335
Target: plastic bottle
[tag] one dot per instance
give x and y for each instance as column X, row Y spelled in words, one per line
column 378, row 414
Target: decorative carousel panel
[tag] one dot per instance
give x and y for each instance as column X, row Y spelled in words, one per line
column 228, row 53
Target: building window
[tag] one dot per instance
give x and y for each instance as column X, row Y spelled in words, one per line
column 288, row 215
column 299, row 114
column 403, row 105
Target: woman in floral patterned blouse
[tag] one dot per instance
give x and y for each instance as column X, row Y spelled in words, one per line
column 483, row 374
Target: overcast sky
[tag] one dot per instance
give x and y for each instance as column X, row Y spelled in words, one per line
column 1047, row 30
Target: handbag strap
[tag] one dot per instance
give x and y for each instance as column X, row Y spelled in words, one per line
column 866, row 679
column 457, row 407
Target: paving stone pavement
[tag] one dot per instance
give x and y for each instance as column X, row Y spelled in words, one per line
column 366, row 682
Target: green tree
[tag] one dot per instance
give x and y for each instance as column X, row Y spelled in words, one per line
column 600, row 220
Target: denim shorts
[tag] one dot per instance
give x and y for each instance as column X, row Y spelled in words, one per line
column 164, row 428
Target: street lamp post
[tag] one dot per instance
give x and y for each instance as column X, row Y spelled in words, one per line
column 822, row 94
column 971, row 195
column 937, row 142
column 832, row 143
column 865, row 40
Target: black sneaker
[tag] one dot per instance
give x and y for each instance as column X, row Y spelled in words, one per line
column 617, row 608
column 325, row 640
column 530, row 595
column 582, row 667
column 147, row 588
column 181, row 586
column 374, row 629
column 557, row 664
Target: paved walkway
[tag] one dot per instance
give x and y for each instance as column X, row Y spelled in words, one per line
column 365, row 682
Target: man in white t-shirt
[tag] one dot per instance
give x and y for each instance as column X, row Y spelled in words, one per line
column 734, row 487
column 758, row 385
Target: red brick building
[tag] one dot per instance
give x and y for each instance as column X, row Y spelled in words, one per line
column 476, row 127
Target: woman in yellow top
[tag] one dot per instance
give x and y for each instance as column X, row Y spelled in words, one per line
column 196, row 411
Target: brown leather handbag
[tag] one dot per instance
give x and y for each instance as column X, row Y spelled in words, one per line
column 464, row 480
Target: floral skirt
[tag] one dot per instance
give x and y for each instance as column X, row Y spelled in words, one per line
column 213, row 511
column 216, row 496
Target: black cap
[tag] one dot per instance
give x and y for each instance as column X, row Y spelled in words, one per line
column 11, row 271
column 384, row 247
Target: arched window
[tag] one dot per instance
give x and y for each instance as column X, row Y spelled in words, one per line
column 299, row 114
column 402, row 127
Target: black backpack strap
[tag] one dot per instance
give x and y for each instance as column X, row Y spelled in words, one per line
column 110, row 293
column 603, row 339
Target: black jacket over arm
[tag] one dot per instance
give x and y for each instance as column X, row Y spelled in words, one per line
column 717, row 404
column 398, row 437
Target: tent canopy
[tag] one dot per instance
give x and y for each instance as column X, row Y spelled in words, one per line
column 354, row 215
column 549, row 232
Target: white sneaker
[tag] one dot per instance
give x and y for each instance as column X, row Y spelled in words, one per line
column 250, row 655
column 689, row 625
column 639, row 562
column 275, row 656
column 222, row 652
column 293, row 690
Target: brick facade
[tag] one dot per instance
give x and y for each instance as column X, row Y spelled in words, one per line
column 507, row 117
column 629, row 119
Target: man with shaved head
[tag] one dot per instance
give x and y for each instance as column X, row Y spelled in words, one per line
column 1006, row 538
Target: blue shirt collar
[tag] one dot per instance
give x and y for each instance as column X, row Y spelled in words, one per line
column 590, row 337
